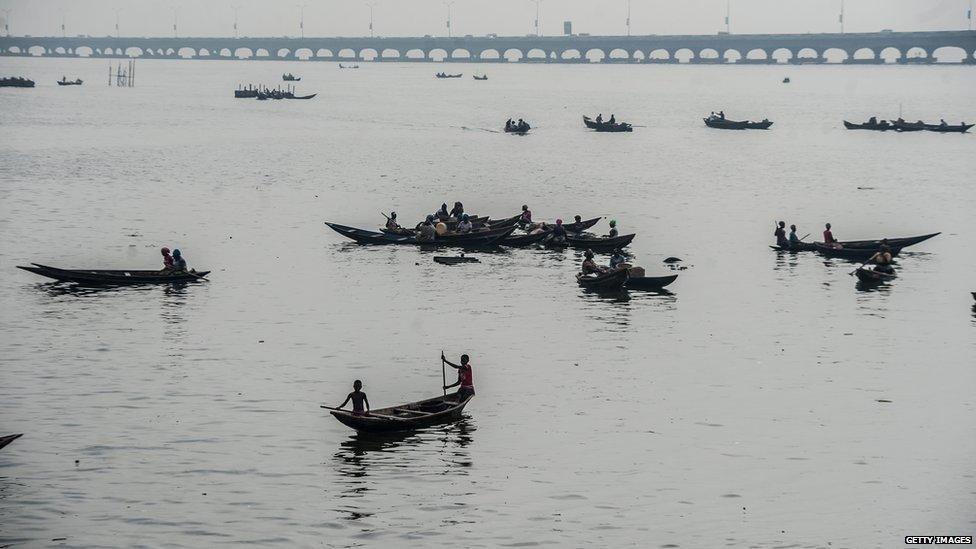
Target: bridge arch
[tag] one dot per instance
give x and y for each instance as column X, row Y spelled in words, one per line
column 536, row 54
column 683, row 55
column 324, row 53
column 437, row 54
column 186, row 52
column 60, row 50
column 36, row 50
column 949, row 54
column 890, row 54
column 835, row 55
column 807, row 53
column 659, row 54
column 638, row 56
column 864, row 53
column 347, row 53
column 490, row 53
column 618, row 53
column 261, row 52
column 202, row 52
column 368, row 54
column 390, row 53
column 783, row 55
column 416, row 53
column 134, row 51
column 916, row 53
column 708, row 53
column 571, row 53
column 304, row 53
column 243, row 53
column 460, row 53
column 732, row 55
column 282, row 52
column 513, row 54
column 595, row 55
column 757, row 54
column 225, row 52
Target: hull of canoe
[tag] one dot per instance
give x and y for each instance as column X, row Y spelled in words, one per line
column 107, row 277
column 488, row 238
column 516, row 241
column 852, row 254
column 649, row 282
column 507, row 222
column 800, row 247
column 433, row 411
column 5, row 440
column 873, row 127
column 613, row 280
column 449, row 260
column 903, row 242
column 600, row 243
column 870, row 276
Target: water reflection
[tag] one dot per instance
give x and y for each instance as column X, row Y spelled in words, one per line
column 367, row 461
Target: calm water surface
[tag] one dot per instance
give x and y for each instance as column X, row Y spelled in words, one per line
column 740, row 409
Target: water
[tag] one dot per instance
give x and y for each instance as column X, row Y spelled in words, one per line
column 741, row 408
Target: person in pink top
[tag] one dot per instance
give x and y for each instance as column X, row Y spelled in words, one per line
column 465, row 382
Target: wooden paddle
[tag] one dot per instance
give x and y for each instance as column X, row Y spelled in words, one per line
column 443, row 374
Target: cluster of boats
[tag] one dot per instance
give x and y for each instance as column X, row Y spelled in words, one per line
column 16, row 82
column 900, row 125
column 262, row 93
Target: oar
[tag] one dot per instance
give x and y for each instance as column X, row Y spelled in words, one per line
column 443, row 374
column 804, row 237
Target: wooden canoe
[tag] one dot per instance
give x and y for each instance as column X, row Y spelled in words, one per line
column 520, row 240
column 610, row 280
column 413, row 415
column 852, row 254
column 5, row 440
column 600, row 243
column 109, row 277
column 871, row 276
column 454, row 260
column 649, row 282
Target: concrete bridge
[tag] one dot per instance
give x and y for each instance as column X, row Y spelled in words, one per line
column 878, row 47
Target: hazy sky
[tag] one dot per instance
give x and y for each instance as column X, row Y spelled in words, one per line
column 507, row 17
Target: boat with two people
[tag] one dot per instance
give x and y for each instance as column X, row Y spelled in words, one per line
column 289, row 77
column 521, row 127
column 482, row 77
column 174, row 270
column 872, row 124
column 606, row 126
column 65, row 82
column 718, row 121
column 942, row 127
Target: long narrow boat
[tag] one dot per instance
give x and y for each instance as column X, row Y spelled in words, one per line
column 798, row 247
column 473, row 240
column 442, row 75
column 960, row 128
column 7, row 439
column 405, row 417
column 852, row 254
column 607, row 126
column 108, row 277
column 506, row 222
column 873, row 245
column 871, row 276
column 577, row 227
column 611, row 280
column 600, row 243
column 974, row 295
column 723, row 124
column 309, row 96
column 521, row 240
column 454, row 260
column 878, row 126
column 649, row 282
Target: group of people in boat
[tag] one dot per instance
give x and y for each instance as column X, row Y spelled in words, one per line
column 435, row 224
column 612, row 121
column 618, row 260
column 173, row 262
column 784, row 241
column 521, row 126
column 464, row 383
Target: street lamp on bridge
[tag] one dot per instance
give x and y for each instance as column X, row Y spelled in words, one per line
column 537, row 31
column 176, row 15
column 6, row 21
column 371, row 5
column 62, row 24
column 840, row 19
column 117, row 12
column 628, row 17
column 236, row 9
column 448, row 4
column 301, row 20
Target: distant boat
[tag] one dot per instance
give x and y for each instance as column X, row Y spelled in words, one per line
column 16, row 82
column 786, row 80
column 443, row 75
column 724, row 124
column 341, row 66
column 7, row 439
column 482, row 77
column 876, row 126
column 607, row 126
column 65, row 82
column 290, row 78
column 903, row 126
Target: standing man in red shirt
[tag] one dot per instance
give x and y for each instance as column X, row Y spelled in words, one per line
column 465, row 379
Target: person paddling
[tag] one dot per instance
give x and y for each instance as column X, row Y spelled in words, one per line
column 391, row 223
column 179, row 264
column 780, row 234
column 457, row 211
column 617, row 259
column 526, row 217
column 465, row 382
column 882, row 259
column 794, row 240
column 358, row 398
column 589, row 266
column 427, row 231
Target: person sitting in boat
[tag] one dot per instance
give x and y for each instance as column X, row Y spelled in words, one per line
column 613, row 120
column 599, row 118
column 559, row 232
column 179, row 264
column 465, row 382
column 167, row 259
column 794, row 240
column 943, row 123
column 427, row 231
column 589, row 266
column 526, row 217
column 577, row 219
column 508, row 125
column 873, row 120
column 391, row 223
column 442, row 214
column 360, row 404
column 465, row 225
column 828, row 237
column 457, row 211
column 617, row 259
column 613, row 229
column 882, row 259
column 780, row 234
column 721, row 115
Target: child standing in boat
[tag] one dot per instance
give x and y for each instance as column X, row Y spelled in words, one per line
column 358, row 398
column 465, row 378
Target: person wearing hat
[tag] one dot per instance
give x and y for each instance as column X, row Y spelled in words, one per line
column 465, row 225
column 613, row 229
column 589, row 266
